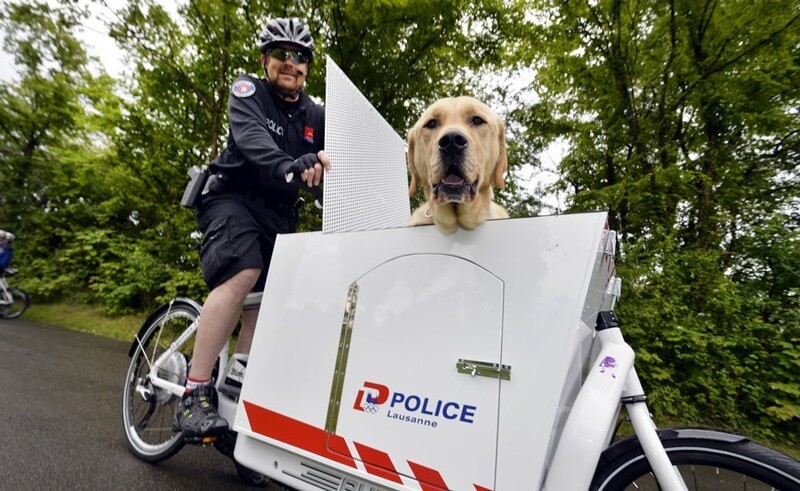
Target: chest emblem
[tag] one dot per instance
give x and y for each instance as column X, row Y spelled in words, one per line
column 308, row 134
column 243, row 88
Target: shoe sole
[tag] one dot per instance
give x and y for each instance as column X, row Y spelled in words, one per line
column 200, row 439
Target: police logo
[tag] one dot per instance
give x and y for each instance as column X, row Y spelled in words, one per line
column 243, row 88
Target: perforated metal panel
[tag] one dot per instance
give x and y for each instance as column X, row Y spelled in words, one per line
column 367, row 187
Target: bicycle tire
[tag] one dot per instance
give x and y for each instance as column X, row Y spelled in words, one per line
column 251, row 477
column 147, row 411
column 21, row 303
column 707, row 459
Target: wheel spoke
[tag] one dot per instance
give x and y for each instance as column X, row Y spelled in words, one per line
column 160, row 330
column 146, row 418
column 144, row 351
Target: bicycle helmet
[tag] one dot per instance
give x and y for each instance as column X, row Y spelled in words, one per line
column 7, row 236
column 287, row 31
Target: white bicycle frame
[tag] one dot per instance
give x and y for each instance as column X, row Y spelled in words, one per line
column 586, row 433
column 7, row 298
column 227, row 407
column 589, row 427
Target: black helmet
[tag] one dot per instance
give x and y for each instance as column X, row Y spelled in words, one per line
column 287, row 31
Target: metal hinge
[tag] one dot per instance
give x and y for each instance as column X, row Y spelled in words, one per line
column 610, row 248
column 614, row 287
column 337, row 386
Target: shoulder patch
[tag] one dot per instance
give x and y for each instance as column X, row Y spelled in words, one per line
column 243, row 88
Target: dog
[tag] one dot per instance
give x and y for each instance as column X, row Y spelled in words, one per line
column 456, row 154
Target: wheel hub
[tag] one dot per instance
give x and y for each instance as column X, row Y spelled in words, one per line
column 174, row 370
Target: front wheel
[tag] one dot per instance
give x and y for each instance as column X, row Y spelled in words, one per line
column 19, row 304
column 706, row 460
column 147, row 411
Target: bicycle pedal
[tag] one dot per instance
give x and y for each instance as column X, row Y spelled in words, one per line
column 202, row 441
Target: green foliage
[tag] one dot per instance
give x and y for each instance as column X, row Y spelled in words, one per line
column 41, row 112
column 681, row 121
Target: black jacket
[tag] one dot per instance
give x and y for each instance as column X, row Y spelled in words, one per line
column 264, row 133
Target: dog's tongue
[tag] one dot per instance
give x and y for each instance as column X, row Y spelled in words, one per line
column 453, row 180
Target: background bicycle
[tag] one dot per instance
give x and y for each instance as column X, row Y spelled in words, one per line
column 13, row 301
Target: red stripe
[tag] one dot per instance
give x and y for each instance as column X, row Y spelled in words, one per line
column 378, row 463
column 298, row 434
column 481, row 488
column 429, row 479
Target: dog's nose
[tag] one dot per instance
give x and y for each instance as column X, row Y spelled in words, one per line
column 453, row 141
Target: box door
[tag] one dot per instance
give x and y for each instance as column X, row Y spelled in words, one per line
column 418, row 376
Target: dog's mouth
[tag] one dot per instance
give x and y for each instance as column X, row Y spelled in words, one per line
column 454, row 188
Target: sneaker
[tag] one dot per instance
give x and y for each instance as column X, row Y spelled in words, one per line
column 197, row 417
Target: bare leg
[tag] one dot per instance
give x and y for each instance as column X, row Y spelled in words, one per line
column 220, row 313
column 249, row 318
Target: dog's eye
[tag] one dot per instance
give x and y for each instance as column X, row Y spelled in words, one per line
column 431, row 124
column 477, row 121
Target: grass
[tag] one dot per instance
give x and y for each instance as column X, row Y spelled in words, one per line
column 123, row 327
column 87, row 319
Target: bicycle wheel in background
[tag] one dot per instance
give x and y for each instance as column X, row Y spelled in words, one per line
column 17, row 307
column 707, row 460
column 147, row 411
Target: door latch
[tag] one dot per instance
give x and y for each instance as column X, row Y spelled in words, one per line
column 484, row 369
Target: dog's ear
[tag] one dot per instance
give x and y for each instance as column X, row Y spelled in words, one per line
column 502, row 160
column 412, row 188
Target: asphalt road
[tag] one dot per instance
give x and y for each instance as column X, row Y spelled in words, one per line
column 60, row 404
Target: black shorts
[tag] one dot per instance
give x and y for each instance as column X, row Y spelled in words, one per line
column 239, row 234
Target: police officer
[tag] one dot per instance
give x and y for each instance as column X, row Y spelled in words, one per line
column 275, row 130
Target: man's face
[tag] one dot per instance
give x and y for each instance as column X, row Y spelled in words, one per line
column 287, row 75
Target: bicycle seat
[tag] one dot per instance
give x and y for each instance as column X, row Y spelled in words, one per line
column 9, row 272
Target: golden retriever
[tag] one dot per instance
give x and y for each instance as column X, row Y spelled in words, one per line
column 456, row 153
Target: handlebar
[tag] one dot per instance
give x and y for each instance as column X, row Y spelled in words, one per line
column 315, row 190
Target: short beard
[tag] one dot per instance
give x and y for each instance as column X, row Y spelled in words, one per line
column 290, row 94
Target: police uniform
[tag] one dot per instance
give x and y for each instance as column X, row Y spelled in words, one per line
column 248, row 203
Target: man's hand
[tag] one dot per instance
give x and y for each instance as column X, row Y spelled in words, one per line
column 309, row 167
column 312, row 176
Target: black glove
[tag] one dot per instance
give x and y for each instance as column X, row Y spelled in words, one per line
column 297, row 167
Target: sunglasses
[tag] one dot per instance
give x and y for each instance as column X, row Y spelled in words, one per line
column 283, row 54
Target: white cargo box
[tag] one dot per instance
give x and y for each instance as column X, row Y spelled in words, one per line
column 408, row 359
